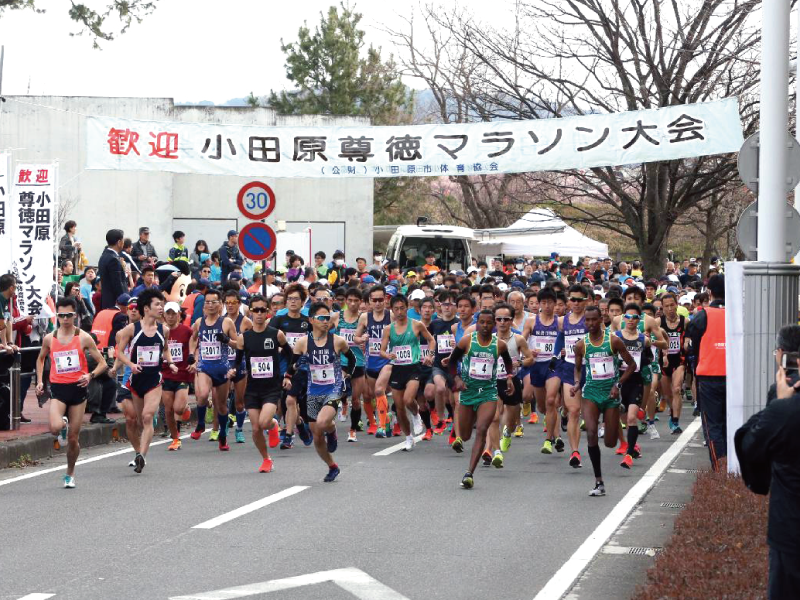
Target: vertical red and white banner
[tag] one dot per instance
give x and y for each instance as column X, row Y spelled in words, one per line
column 5, row 214
column 33, row 218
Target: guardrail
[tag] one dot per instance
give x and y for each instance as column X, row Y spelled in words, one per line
column 15, row 373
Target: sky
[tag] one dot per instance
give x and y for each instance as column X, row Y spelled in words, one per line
column 189, row 50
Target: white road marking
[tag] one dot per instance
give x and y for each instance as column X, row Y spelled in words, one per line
column 353, row 580
column 397, row 447
column 248, row 508
column 565, row 577
column 37, row 596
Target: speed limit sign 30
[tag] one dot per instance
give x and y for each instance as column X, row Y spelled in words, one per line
column 256, row 200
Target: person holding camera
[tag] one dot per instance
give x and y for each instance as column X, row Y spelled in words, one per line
column 768, row 449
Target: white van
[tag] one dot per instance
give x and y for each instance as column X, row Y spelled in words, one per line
column 410, row 243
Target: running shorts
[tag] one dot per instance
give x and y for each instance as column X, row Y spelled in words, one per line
column 70, row 394
column 256, row 401
column 402, row 374
column 144, row 382
column 514, row 399
column 314, row 404
column 168, row 385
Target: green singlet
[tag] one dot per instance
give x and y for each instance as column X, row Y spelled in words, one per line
column 404, row 345
column 479, row 372
column 601, row 371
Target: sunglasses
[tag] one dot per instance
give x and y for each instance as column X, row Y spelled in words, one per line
column 577, row 299
column 231, row 304
column 376, row 299
column 68, row 315
column 502, row 319
column 258, row 310
column 632, row 317
column 213, row 302
column 323, row 318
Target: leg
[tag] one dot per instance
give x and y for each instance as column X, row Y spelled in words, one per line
column 202, row 388
column 591, row 414
column 677, row 396
column 57, row 411
column 540, row 393
column 259, row 441
column 465, row 422
column 324, row 424
column 219, row 395
column 147, row 407
column 552, row 415
column 400, row 399
column 484, row 416
column 75, row 416
column 238, row 391
column 573, row 406
column 168, row 398
column 493, row 433
column 132, row 427
column 611, row 418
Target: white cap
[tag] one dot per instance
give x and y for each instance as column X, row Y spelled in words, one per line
column 502, row 287
column 472, row 270
column 417, row 295
column 173, row 306
column 685, row 301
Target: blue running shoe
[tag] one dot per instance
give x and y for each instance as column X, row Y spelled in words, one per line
column 333, row 472
column 333, row 441
column 380, row 433
column 305, row 434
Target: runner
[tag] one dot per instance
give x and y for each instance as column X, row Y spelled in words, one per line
column 504, row 317
column 602, row 385
column 233, row 304
column 348, row 323
column 425, row 393
column 147, row 342
column 69, row 379
column 440, row 383
column 209, row 334
column 632, row 390
column 259, row 348
column 175, row 387
column 295, row 327
column 321, row 351
column 674, row 359
column 465, row 307
column 477, row 355
column 400, row 344
column 378, row 370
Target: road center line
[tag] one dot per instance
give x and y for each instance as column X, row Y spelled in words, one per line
column 569, row 572
column 248, row 508
column 37, row 596
column 397, row 447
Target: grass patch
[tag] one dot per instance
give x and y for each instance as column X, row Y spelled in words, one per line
column 23, row 461
column 719, row 546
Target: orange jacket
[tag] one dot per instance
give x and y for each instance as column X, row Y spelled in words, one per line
column 711, row 355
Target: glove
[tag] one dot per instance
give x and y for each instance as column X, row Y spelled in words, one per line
column 190, row 360
column 221, row 337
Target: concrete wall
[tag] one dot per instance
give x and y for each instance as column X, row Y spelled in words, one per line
column 43, row 128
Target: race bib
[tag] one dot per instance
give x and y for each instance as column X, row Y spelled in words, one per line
column 569, row 343
column 67, row 361
column 501, row 369
column 545, row 345
column 674, row 344
column 445, row 343
column 375, row 347
column 176, row 351
column 148, row 356
column 423, row 351
column 261, row 367
column 322, row 374
column 601, row 367
column 231, row 353
column 293, row 337
column 402, row 354
column 349, row 336
column 481, row 368
column 637, row 358
column 210, row 350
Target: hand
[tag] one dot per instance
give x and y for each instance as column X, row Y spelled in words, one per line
column 614, row 392
column 13, row 348
column 112, row 372
column 391, row 355
column 39, row 388
column 84, row 380
column 563, row 352
column 231, row 373
column 173, row 367
column 535, row 353
column 428, row 360
column 445, row 361
column 573, row 391
column 287, row 383
column 783, row 384
column 136, row 369
column 458, row 384
column 192, row 368
column 510, row 386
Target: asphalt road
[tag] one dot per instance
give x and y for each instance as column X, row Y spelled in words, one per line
column 390, row 527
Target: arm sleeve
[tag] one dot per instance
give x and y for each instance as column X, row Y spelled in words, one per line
column 455, row 358
column 695, row 330
column 351, row 362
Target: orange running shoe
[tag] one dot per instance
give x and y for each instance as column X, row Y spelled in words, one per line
column 187, row 414
column 175, row 445
column 274, row 436
column 372, row 429
column 623, row 448
column 266, row 466
column 396, row 431
column 428, row 435
column 534, row 417
column 627, row 462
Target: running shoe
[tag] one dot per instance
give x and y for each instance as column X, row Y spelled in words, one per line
column 341, row 416
column 213, row 436
column 671, row 425
column 487, row 458
column 434, row 416
column 458, row 445
column 627, row 462
column 640, row 414
column 662, row 405
column 175, row 445
column 288, row 442
column 266, row 466
column 689, row 395
column 223, row 444
column 623, row 449
column 440, row 427
column 497, row 459
column 64, row 429
column 559, row 445
column 564, row 422
column 283, row 434
column 209, row 417
column 332, row 440
column 187, row 414
column 428, row 435
column 274, row 436
column 452, row 437
column 372, row 429
column 380, row 433
column 547, row 447
column 69, row 482
column 534, row 418
column 467, row 481
column 396, row 431
column 139, row 463
column 651, row 429
column 526, row 409
column 575, row 460
column 132, row 463
column 410, row 443
column 505, row 440
column 599, row 489
column 696, row 411
column 239, row 435
column 583, row 425
column 351, row 436
column 676, row 430
column 333, row 472
column 419, row 426
column 519, row 431
column 642, row 427
column 623, row 424
column 636, row 452
column 304, row 432
column 601, row 430
column 195, row 435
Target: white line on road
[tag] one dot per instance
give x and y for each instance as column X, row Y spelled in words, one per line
column 397, row 447
column 37, row 596
column 353, row 580
column 565, row 577
column 248, row 508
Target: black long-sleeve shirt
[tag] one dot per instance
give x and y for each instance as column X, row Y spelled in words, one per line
column 697, row 327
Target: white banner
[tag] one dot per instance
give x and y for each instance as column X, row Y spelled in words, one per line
column 5, row 214
column 33, row 215
column 420, row 150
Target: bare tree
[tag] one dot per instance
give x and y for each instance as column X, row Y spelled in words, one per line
column 575, row 57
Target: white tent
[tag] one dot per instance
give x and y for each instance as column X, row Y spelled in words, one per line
column 553, row 235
